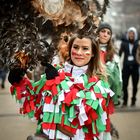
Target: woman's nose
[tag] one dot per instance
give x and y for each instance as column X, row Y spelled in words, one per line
column 79, row 52
column 105, row 34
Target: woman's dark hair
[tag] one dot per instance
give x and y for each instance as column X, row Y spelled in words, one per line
column 94, row 65
column 110, row 51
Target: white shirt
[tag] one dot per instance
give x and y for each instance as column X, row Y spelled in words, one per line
column 75, row 70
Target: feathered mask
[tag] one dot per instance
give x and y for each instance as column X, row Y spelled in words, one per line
column 24, row 23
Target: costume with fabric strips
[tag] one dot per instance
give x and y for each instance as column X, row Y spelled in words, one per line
column 80, row 104
column 24, row 94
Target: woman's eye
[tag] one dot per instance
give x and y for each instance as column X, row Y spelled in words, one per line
column 109, row 33
column 85, row 48
column 103, row 31
column 75, row 47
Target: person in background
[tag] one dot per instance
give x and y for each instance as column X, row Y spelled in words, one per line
column 130, row 65
column 110, row 59
column 138, row 54
column 73, row 101
column 3, row 74
column 112, row 63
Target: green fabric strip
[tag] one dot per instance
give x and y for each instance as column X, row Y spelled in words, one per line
column 58, row 89
column 96, row 89
column 48, row 117
column 105, row 95
column 38, row 130
column 100, row 126
column 31, row 114
column 40, row 83
column 89, row 102
column 88, row 95
column 95, row 104
column 66, row 121
column 82, row 94
column 100, row 110
column 85, row 129
column 64, row 85
column 93, row 128
column 104, row 84
column 72, row 112
column 76, row 101
column 57, row 118
column 85, row 78
column 89, row 85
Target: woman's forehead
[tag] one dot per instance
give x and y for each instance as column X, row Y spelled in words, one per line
column 106, row 29
column 82, row 41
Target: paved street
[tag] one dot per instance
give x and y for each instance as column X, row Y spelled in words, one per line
column 16, row 127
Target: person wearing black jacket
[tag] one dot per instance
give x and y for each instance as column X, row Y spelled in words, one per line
column 130, row 65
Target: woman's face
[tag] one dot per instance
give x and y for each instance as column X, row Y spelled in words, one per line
column 104, row 36
column 81, row 51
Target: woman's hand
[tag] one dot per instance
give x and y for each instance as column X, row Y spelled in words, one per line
column 16, row 75
column 51, row 72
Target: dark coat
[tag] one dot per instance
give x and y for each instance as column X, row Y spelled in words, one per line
column 138, row 55
column 125, row 49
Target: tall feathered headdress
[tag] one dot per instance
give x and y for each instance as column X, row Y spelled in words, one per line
column 72, row 15
column 25, row 22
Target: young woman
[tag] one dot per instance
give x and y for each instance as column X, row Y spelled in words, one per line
column 112, row 63
column 75, row 101
column 110, row 59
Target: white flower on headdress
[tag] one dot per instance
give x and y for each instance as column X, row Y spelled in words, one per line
column 53, row 6
column 60, row 11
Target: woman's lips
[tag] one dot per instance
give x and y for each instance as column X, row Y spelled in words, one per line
column 79, row 58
